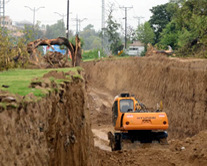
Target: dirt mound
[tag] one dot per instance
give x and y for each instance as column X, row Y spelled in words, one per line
column 181, row 85
column 52, row 131
column 190, row 152
column 55, row 74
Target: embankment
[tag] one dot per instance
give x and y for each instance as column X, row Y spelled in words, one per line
column 52, row 131
column 180, row 84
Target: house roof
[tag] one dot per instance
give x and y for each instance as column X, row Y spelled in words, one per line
column 136, row 43
column 24, row 22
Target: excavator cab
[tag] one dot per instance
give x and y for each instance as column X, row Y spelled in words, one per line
column 132, row 121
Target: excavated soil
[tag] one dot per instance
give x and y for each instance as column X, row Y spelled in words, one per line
column 181, row 84
column 62, row 128
column 55, row 130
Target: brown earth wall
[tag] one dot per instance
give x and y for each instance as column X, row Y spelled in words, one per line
column 54, row 131
column 180, row 84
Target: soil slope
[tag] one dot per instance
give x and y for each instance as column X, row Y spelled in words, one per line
column 181, row 85
column 53, row 131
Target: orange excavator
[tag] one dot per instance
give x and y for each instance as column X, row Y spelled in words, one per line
column 134, row 123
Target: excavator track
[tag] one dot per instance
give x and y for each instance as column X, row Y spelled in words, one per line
column 136, row 139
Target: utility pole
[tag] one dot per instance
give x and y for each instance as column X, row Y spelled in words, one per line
column 67, row 31
column 103, row 22
column 78, row 23
column 139, row 18
column 2, row 12
column 126, row 8
column 81, row 20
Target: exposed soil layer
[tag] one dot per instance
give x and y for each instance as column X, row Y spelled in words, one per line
column 182, row 86
column 190, row 152
column 52, row 131
column 56, row 130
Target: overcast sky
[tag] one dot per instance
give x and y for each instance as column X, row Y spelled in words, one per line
column 90, row 9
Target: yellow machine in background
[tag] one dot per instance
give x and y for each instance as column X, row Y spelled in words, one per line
column 133, row 122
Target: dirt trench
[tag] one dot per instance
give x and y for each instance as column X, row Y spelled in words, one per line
column 52, row 131
column 182, row 86
column 57, row 129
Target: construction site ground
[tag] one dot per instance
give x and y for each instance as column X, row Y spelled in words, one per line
column 62, row 128
column 177, row 82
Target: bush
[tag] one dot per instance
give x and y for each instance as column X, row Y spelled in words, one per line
column 92, row 54
column 12, row 56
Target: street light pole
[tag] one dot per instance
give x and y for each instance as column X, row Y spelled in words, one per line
column 61, row 15
column 34, row 10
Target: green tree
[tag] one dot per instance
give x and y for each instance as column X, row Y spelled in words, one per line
column 12, row 55
column 28, row 34
column 112, row 33
column 170, row 35
column 55, row 30
column 161, row 16
column 145, row 33
column 91, row 37
column 188, row 29
column 192, row 21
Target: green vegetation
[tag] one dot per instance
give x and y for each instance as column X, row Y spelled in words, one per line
column 145, row 34
column 19, row 80
column 112, row 33
column 12, row 56
column 91, row 55
column 161, row 16
column 182, row 25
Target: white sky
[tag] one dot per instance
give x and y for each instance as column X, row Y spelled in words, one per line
column 90, row 9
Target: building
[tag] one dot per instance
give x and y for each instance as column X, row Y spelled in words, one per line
column 6, row 22
column 14, row 27
column 22, row 24
column 135, row 49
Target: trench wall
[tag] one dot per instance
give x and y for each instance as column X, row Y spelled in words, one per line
column 52, row 131
column 180, row 84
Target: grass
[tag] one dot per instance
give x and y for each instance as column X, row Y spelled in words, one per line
column 19, row 80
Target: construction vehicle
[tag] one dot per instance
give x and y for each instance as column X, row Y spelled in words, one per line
column 134, row 123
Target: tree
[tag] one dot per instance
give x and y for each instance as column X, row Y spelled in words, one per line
column 161, row 16
column 170, row 35
column 145, row 33
column 187, row 30
column 112, row 33
column 37, row 30
column 131, row 33
column 55, row 30
column 91, row 37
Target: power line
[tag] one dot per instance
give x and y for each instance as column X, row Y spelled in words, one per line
column 126, row 8
column 139, row 18
column 78, row 23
